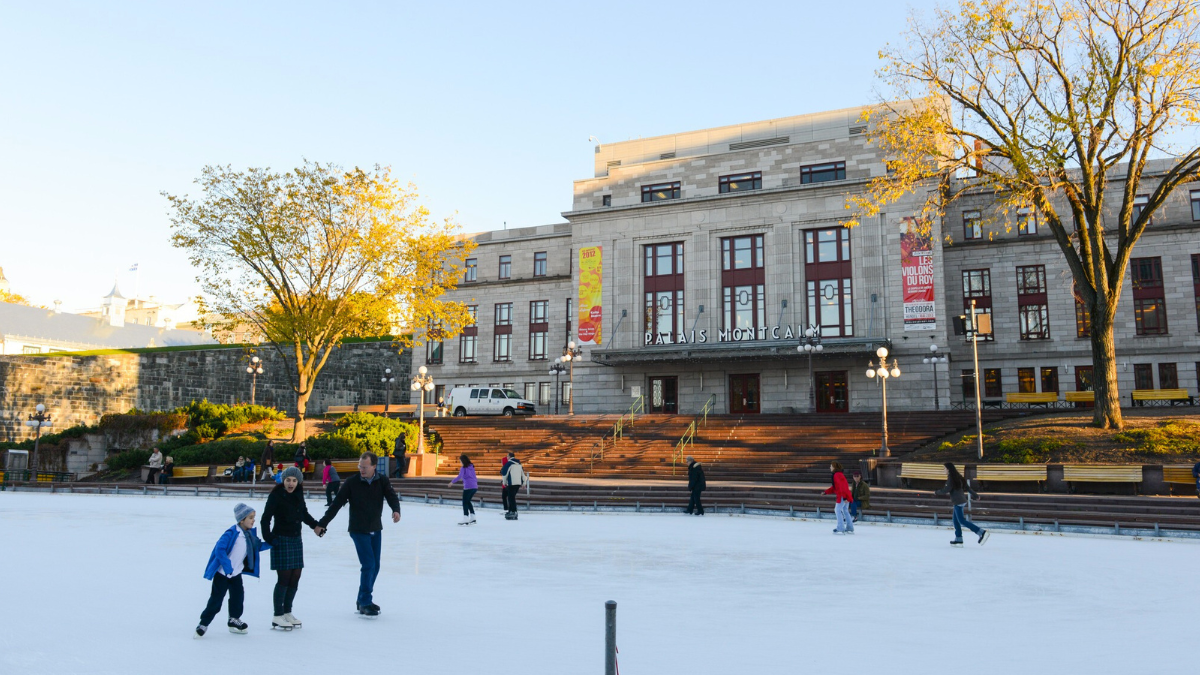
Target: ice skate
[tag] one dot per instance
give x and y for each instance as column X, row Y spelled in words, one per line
column 368, row 611
column 201, row 630
column 509, row 515
column 292, row 619
column 472, row 520
column 237, row 626
column 280, row 621
column 464, row 521
column 956, row 543
column 983, row 537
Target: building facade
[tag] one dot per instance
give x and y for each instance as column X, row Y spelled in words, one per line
column 694, row 266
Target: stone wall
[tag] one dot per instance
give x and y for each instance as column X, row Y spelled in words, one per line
column 79, row 389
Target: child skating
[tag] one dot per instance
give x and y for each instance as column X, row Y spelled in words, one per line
column 470, row 486
column 236, row 553
column 957, row 488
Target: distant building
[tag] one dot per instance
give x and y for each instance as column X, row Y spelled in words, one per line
column 33, row 330
column 117, row 310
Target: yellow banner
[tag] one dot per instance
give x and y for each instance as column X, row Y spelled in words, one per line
column 591, row 285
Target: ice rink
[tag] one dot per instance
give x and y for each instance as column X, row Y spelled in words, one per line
column 102, row 584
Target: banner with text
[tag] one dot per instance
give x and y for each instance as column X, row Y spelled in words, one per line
column 591, row 286
column 916, row 269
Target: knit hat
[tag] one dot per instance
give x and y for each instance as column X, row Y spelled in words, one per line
column 292, row 472
column 241, row 511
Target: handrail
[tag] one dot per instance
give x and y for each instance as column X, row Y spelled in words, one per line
column 689, row 436
column 708, row 406
column 618, row 429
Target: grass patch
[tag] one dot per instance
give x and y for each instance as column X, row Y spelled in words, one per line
column 1169, row 437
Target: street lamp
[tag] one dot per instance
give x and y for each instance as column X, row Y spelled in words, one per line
column 557, row 369
column 933, row 359
column 810, row 343
column 389, row 381
column 37, row 420
column 883, row 373
column 421, row 383
column 254, row 369
column 571, row 354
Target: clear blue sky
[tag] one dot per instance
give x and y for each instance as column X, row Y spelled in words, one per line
column 487, row 108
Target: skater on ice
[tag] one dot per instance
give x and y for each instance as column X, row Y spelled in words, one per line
column 331, row 480
column 957, row 488
column 841, row 492
column 470, row 486
column 511, row 479
column 365, row 492
column 236, row 553
column 696, row 485
column 282, row 516
column 861, row 491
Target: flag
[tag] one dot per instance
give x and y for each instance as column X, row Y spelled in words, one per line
column 134, row 268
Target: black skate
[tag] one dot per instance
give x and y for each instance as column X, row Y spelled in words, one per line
column 237, row 626
column 201, row 630
column 983, row 537
column 957, row 543
column 368, row 611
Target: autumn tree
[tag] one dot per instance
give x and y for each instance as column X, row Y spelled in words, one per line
column 317, row 255
column 1059, row 105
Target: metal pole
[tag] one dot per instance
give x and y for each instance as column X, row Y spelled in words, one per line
column 571, row 403
column 253, row 386
column 884, row 452
column 557, row 391
column 388, row 406
column 421, row 427
column 36, row 440
column 978, row 399
column 610, row 638
column 812, row 386
column 937, row 405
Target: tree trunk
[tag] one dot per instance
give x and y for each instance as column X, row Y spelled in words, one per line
column 1107, row 414
column 298, row 434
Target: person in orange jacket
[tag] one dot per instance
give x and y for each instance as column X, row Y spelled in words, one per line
column 841, row 491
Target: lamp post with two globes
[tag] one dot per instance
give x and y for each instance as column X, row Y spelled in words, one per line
column 38, row 421
column 254, row 369
column 935, row 359
column 571, row 354
column 883, row 373
column 421, row 383
column 809, row 344
column 557, row 369
column 389, row 380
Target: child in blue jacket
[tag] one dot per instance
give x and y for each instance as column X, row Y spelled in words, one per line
column 236, row 553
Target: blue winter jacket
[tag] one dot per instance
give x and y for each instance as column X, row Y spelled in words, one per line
column 219, row 560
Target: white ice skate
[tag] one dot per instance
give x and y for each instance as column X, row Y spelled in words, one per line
column 464, row 521
column 280, row 621
column 292, row 619
column 472, row 520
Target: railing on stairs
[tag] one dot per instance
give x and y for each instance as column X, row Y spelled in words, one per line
column 624, row 421
column 689, row 436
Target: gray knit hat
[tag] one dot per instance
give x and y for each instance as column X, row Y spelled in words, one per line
column 292, row 472
column 241, row 511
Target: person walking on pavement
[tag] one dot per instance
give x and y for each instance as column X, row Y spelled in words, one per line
column 331, row 480
column 957, row 489
column 696, row 485
column 300, row 459
column 366, row 493
column 281, row 519
column 470, row 486
column 155, row 464
column 841, row 492
column 511, row 479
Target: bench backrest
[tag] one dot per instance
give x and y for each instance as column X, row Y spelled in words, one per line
column 1159, row 394
column 1011, row 472
column 1179, row 473
column 1081, row 396
column 190, row 472
column 1103, row 473
column 1031, row 397
column 927, row 471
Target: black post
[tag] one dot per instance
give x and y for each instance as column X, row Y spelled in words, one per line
column 610, row 638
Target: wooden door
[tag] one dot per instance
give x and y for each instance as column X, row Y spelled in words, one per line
column 833, row 391
column 744, row 394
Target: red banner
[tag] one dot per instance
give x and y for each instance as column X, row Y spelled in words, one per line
column 916, row 270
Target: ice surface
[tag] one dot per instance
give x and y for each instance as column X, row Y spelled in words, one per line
column 103, row 584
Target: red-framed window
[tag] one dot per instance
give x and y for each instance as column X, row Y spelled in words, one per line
column 505, row 271
column 1196, row 281
column 1149, row 299
column 743, row 280
column 1168, row 376
column 739, row 182
column 829, row 281
column 1032, row 308
column 977, row 286
column 660, row 192
column 991, row 383
column 539, row 264
column 663, row 284
column 1027, row 222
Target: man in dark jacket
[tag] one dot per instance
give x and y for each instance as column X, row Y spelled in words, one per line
column 366, row 493
column 696, row 485
column 268, row 457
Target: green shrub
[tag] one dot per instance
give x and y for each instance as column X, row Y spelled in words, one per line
column 372, row 433
column 1026, row 450
column 326, row 446
column 136, row 421
column 1170, row 437
column 48, row 440
column 128, row 460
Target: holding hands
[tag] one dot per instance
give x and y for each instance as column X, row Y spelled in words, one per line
column 319, row 531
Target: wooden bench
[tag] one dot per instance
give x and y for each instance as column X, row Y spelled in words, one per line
column 339, row 409
column 1012, row 473
column 344, row 467
column 1140, row 396
column 1031, row 398
column 912, row 470
column 189, row 472
column 219, row 471
column 394, row 409
column 1102, row 473
column 1080, row 396
column 1179, row 473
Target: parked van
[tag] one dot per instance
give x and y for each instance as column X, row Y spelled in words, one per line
column 465, row 401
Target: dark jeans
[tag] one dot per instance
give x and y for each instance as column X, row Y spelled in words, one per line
column 468, row 507
column 164, row 479
column 153, row 477
column 854, row 509
column 510, row 497
column 331, row 491
column 220, row 585
column 694, row 505
column 960, row 519
column 368, row 546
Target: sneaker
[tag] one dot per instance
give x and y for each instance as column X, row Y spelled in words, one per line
column 280, row 621
column 201, row 630
column 237, row 626
column 983, row 537
column 292, row 619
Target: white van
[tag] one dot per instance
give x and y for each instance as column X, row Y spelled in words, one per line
column 465, row 401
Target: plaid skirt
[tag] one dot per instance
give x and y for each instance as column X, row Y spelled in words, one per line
column 287, row 553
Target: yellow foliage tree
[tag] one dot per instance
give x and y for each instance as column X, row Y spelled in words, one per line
column 1056, row 105
column 319, row 254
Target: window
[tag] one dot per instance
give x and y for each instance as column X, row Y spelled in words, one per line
column 828, row 281
column 1050, row 379
column 433, row 353
column 660, row 192
column 439, row 394
column 505, row 267
column 820, row 173
column 1143, row 376
column 1195, row 199
column 1149, row 301
column 739, row 182
column 1196, row 285
column 991, row 383
column 539, row 264
column 1027, row 222
column 503, row 347
column 537, row 311
column 543, row 394
column 743, row 280
column 1026, row 384
column 972, row 225
column 1139, row 203
column 1083, row 317
column 968, row 384
column 472, row 271
column 1168, row 376
column 31, row 349
column 466, row 348
column 570, row 314
column 502, row 341
column 531, row 391
column 977, row 286
column 1032, row 310
column 537, row 345
column 565, row 399
column 606, row 200
column 663, row 280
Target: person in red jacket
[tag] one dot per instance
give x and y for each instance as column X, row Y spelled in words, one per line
column 841, row 490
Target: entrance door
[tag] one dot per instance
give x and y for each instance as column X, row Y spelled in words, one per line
column 833, row 394
column 1083, row 382
column 743, row 393
column 664, row 395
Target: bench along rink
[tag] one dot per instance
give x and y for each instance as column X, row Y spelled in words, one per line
column 104, row 584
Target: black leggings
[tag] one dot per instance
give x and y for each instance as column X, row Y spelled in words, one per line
column 221, row 585
column 468, row 507
column 285, row 590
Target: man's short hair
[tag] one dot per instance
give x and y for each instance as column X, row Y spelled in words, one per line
column 689, row 458
column 512, row 454
column 370, row 457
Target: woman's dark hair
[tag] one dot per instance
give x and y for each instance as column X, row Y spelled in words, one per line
column 326, row 461
column 466, row 461
column 837, row 466
column 956, row 479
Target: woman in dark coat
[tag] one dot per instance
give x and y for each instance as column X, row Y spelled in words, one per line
column 281, row 519
column 957, row 488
